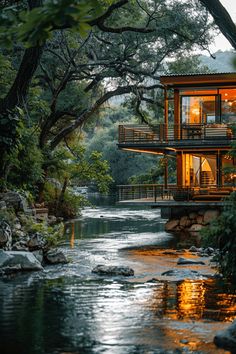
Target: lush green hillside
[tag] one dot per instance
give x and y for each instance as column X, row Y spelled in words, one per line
column 223, row 61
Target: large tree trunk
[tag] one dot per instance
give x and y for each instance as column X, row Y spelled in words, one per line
column 18, row 91
column 222, row 19
column 16, row 96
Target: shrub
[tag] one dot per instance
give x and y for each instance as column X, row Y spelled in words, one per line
column 221, row 233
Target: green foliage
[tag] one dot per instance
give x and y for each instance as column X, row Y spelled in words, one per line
column 68, row 207
column 122, row 164
column 187, row 64
column 37, row 25
column 222, row 234
column 7, row 74
column 9, row 130
column 52, row 234
column 8, row 215
column 25, row 160
column 156, row 173
column 70, row 167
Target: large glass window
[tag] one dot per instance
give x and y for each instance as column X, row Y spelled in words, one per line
column 198, row 109
column 228, row 105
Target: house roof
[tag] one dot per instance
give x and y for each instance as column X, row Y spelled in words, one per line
column 193, row 79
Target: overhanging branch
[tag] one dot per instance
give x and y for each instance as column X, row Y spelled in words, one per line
column 222, row 19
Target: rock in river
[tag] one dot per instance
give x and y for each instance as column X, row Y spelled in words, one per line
column 181, row 274
column 13, row 260
column 113, row 270
column 55, row 256
column 227, row 339
column 183, row 261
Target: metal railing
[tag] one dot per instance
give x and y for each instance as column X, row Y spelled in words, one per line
column 152, row 192
column 157, row 192
column 174, row 132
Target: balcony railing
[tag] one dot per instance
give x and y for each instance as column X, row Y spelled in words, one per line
column 175, row 132
column 158, row 192
column 150, row 192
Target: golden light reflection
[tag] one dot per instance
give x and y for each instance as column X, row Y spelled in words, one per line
column 191, row 299
column 72, row 239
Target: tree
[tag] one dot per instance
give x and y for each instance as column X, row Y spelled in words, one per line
column 167, row 29
column 69, row 166
column 222, row 19
column 107, row 64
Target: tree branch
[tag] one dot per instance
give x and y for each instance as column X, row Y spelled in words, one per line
column 222, row 19
column 88, row 113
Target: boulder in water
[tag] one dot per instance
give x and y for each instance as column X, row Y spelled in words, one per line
column 183, row 261
column 55, row 256
column 113, row 270
column 13, row 260
column 227, row 339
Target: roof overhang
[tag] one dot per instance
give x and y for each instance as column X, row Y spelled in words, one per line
column 198, row 79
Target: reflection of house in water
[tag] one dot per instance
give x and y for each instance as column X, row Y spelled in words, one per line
column 193, row 300
column 199, row 137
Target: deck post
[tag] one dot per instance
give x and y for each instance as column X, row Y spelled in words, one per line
column 179, row 158
column 165, row 171
column 165, row 114
column 218, row 169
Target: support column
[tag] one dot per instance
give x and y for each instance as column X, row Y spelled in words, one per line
column 218, row 169
column 165, row 135
column 166, row 172
column 179, row 165
column 176, row 115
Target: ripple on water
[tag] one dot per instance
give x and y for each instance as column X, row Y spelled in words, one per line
column 121, row 214
column 66, row 309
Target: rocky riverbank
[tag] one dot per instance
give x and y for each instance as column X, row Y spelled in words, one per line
column 27, row 239
column 193, row 221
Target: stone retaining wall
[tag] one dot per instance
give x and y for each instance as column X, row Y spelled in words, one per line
column 193, row 221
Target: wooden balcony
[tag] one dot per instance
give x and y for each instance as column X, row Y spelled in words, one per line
column 163, row 134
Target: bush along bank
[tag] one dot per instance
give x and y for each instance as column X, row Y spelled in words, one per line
column 27, row 240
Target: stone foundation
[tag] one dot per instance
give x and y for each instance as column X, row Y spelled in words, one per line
column 194, row 221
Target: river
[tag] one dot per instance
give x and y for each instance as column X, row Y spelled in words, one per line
column 66, row 309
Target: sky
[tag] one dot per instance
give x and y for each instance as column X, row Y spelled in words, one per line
column 220, row 41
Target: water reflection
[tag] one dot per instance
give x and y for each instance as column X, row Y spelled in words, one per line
column 194, row 300
column 67, row 309
column 72, row 238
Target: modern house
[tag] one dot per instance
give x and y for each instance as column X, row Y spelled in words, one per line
column 198, row 130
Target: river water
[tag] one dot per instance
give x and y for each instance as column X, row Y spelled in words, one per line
column 66, row 309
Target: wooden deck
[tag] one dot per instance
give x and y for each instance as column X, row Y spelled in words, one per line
column 164, row 203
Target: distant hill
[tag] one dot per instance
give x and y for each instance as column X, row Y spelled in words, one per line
column 222, row 63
